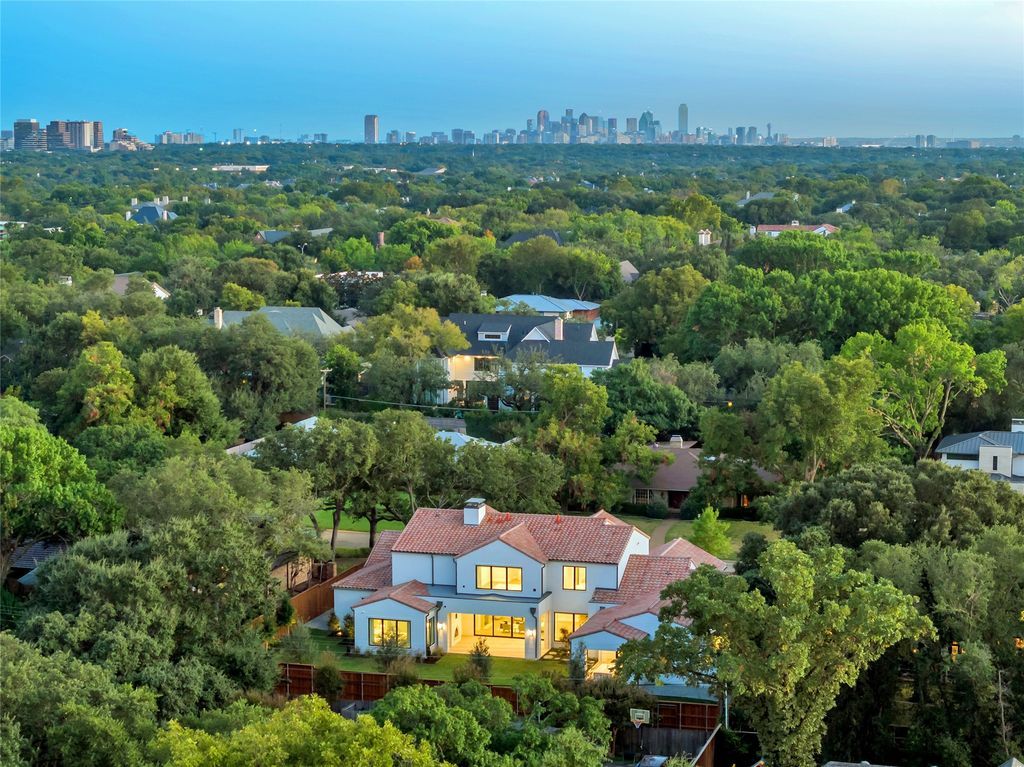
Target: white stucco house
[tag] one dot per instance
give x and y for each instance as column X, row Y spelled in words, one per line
column 1000, row 454
column 526, row 583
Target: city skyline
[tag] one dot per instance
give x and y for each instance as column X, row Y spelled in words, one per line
column 729, row 62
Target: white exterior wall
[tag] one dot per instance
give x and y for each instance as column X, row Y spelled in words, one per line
column 960, row 463
column 388, row 608
column 1004, row 454
column 639, row 543
column 499, row 553
column 425, row 568
column 345, row 598
column 563, row 601
column 466, row 607
column 645, row 622
column 602, row 640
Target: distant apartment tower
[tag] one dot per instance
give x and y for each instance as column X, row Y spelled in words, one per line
column 929, row 141
column 919, row 141
column 542, row 120
column 371, row 129
column 684, row 119
column 237, row 135
column 751, row 135
column 28, row 136
column 410, row 137
column 393, row 137
column 319, row 138
column 631, row 125
column 74, row 134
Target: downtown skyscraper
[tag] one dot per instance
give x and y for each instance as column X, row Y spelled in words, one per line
column 371, row 129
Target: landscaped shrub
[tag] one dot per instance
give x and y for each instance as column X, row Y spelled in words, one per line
column 333, row 624
column 327, row 678
column 480, row 660
column 297, row 646
column 656, row 510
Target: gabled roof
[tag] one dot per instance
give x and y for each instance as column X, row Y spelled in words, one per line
column 519, row 538
column 551, row 305
column 407, row 593
column 151, row 212
column 558, row 537
column 681, row 475
column 610, row 619
column 796, row 228
column 610, row 519
column 576, row 347
column 120, row 284
column 628, row 272
column 971, row 443
column 680, row 547
column 646, row 576
column 31, row 556
column 292, row 320
column 274, row 236
column 376, row 572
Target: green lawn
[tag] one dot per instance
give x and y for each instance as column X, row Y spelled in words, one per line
column 324, row 518
column 644, row 523
column 503, row 670
column 737, row 529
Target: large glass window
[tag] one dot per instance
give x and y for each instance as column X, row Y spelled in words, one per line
column 574, row 578
column 431, row 631
column 499, row 626
column 566, row 623
column 382, row 629
column 499, row 578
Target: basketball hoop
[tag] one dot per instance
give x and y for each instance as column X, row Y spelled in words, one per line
column 640, row 716
column 637, row 723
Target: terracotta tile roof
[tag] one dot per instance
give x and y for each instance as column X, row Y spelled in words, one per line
column 407, row 593
column 558, row 537
column 609, row 518
column 646, row 576
column 680, row 547
column 376, row 572
column 610, row 619
column 520, row 539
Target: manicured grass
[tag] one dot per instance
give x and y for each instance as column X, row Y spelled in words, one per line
column 737, row 529
column 644, row 523
column 324, row 518
column 503, row 670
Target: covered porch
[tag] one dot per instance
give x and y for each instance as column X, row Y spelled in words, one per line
column 506, row 635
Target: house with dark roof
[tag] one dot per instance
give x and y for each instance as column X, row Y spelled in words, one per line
column 509, row 335
column 304, row 321
column 528, row 584
column 1000, row 454
column 150, row 213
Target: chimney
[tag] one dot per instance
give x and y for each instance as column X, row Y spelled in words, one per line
column 559, row 329
column 127, row 215
column 1016, row 425
column 675, row 441
column 184, row 198
column 163, row 215
column 380, row 240
column 165, row 200
column 218, row 318
column 135, row 201
column 474, row 511
column 794, row 222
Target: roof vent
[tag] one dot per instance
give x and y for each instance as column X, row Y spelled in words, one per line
column 474, row 511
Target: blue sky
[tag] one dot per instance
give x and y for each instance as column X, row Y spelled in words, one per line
column 811, row 68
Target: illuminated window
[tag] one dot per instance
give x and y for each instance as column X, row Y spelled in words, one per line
column 383, row 629
column 431, row 630
column 566, row 623
column 574, row 578
column 499, row 626
column 499, row 578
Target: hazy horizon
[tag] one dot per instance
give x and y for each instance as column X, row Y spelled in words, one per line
column 846, row 69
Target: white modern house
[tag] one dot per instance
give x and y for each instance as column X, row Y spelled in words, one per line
column 526, row 583
column 774, row 230
column 1000, row 454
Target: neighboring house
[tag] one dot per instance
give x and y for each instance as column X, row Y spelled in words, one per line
column 274, row 236
column 628, row 272
column 566, row 308
column 1000, row 454
column 121, row 281
column 847, row 207
column 26, row 559
column 461, row 439
column 672, row 482
column 704, row 237
column 525, row 583
column 774, row 230
column 150, row 213
column 519, row 237
column 494, row 335
column 753, row 197
column 306, row 321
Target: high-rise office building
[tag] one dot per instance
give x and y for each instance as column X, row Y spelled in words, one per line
column 393, row 137
column 371, row 129
column 457, row 135
column 237, row 135
column 410, row 137
column 768, row 135
column 74, row 134
column 542, row 120
column 919, row 141
column 647, row 127
column 751, row 135
column 929, row 141
column 631, row 123
column 319, row 138
column 27, row 135
column 684, row 119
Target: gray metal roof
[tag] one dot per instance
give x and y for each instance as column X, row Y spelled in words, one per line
column 576, row 347
column 151, row 212
column 292, row 320
column 274, row 236
column 549, row 304
column 971, row 443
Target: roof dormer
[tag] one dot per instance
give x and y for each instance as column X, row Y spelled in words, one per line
column 494, row 331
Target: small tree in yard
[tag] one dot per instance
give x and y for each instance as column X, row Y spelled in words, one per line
column 297, row 646
column 327, row 679
column 480, row 660
column 711, row 534
column 391, row 658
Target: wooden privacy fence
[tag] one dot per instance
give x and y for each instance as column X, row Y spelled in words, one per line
column 319, row 599
column 364, row 686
